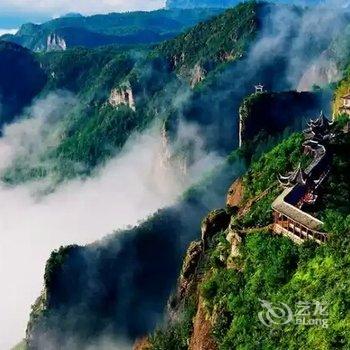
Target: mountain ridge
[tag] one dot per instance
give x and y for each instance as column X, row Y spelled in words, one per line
column 114, row 28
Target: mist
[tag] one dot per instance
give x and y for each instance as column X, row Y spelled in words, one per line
column 127, row 189
column 139, row 181
column 7, row 31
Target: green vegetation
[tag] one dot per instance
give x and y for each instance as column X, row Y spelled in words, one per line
column 17, row 93
column 276, row 270
column 223, row 38
column 336, row 193
column 281, row 159
column 261, row 183
column 94, row 130
column 89, row 73
column 272, row 112
column 115, row 28
column 175, row 335
column 55, row 262
column 273, row 269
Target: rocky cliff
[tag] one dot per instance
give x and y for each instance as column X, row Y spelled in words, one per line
column 122, row 96
column 271, row 113
column 21, row 80
column 225, row 38
column 324, row 71
column 55, row 43
column 240, row 262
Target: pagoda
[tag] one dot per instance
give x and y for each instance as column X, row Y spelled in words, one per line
column 319, row 130
column 345, row 108
column 293, row 178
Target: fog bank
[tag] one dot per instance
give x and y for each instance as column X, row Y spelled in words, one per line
column 127, row 189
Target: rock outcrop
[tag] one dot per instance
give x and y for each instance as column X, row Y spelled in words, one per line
column 197, row 75
column 202, row 336
column 216, row 221
column 235, row 194
column 55, row 43
column 321, row 73
column 271, row 113
column 122, row 96
column 187, row 283
column 142, row 344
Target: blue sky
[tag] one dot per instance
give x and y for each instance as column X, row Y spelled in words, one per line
column 13, row 13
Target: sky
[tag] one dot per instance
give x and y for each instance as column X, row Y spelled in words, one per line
column 13, row 13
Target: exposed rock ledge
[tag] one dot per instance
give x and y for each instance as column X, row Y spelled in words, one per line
column 122, row 96
column 202, row 336
column 235, row 194
column 55, row 43
column 216, row 221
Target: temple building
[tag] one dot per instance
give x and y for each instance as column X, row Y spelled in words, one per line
column 290, row 209
column 319, row 129
column 293, row 178
column 345, row 108
column 259, row 89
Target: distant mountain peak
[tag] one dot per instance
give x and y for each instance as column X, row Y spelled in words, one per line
column 200, row 3
column 72, row 14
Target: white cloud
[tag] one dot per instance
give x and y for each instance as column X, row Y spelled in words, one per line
column 60, row 7
column 129, row 188
column 8, row 31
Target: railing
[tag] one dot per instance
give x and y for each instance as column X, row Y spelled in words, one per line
column 297, row 229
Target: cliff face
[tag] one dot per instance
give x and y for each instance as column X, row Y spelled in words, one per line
column 236, row 265
column 122, row 96
column 55, row 43
column 271, row 113
column 202, row 336
column 321, row 73
column 21, row 79
column 223, row 39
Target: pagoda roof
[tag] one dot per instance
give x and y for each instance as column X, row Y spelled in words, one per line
column 294, row 177
column 321, row 122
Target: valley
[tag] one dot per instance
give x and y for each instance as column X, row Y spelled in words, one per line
column 121, row 132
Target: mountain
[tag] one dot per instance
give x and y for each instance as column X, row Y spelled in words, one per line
column 187, row 4
column 240, row 265
column 21, row 80
column 224, row 38
column 124, row 89
column 261, row 112
column 72, row 14
column 115, row 28
column 100, row 77
column 152, row 253
column 200, row 3
column 122, row 284
column 237, row 261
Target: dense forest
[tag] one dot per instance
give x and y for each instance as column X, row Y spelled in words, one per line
column 178, row 71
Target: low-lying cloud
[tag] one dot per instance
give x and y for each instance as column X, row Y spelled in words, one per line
column 7, row 31
column 127, row 189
